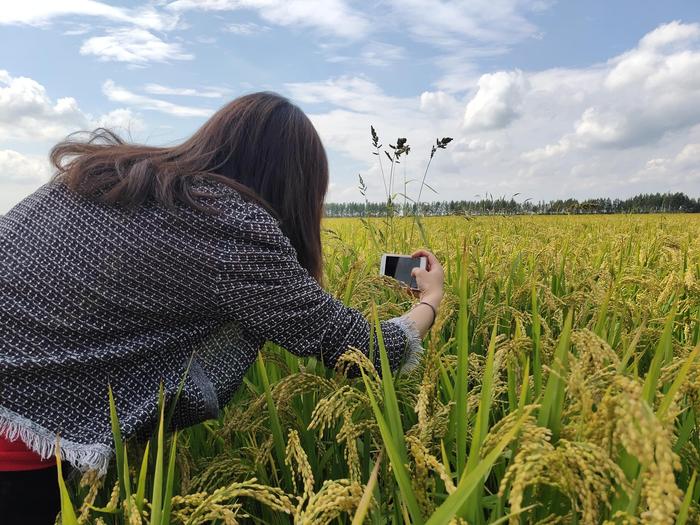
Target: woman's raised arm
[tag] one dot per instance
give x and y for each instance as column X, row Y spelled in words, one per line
column 263, row 287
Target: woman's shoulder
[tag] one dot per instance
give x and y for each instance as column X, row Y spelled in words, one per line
column 236, row 210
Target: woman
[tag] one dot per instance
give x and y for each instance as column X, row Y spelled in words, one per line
column 136, row 263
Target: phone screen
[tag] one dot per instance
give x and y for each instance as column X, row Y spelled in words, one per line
column 400, row 268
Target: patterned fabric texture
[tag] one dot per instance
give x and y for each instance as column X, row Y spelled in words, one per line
column 93, row 295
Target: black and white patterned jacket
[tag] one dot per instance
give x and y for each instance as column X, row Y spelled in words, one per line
column 92, row 295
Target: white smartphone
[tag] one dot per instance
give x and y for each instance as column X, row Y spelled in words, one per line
column 399, row 267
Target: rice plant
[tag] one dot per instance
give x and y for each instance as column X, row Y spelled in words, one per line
column 560, row 384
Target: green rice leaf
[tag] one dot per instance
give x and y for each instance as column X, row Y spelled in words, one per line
column 397, row 463
column 68, row 516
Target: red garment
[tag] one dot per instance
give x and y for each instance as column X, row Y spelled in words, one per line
column 15, row 455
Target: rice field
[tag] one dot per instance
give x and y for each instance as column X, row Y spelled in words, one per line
column 560, row 384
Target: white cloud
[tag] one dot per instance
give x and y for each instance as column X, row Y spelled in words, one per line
column 121, row 120
column 122, row 95
column 452, row 24
column 463, row 32
column 374, row 53
column 78, row 29
column 133, row 45
column 601, row 127
column 644, row 95
column 548, row 151
column 382, row 54
column 689, row 157
column 681, row 169
column 159, row 89
column 670, row 34
column 439, row 104
column 20, row 175
column 458, row 72
column 22, row 169
column 497, row 101
column 29, row 115
column 27, row 112
column 354, row 93
column 475, row 146
column 42, row 12
column 356, row 103
column 246, row 29
column 330, row 17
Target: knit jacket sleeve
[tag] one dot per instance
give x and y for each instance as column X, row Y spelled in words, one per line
column 262, row 286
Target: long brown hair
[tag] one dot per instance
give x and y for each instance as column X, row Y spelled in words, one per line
column 261, row 144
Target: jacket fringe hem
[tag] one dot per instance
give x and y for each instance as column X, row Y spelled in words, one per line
column 95, row 456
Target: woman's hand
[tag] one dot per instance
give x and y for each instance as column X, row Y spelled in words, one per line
column 430, row 280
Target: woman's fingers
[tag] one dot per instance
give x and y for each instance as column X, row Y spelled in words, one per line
column 432, row 260
column 421, row 253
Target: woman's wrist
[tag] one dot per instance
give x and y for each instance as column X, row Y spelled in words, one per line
column 432, row 298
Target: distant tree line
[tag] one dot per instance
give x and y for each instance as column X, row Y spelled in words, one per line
column 643, row 203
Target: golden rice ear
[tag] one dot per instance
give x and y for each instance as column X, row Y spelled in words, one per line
column 355, row 357
column 227, row 503
column 335, row 498
column 593, row 351
column 341, row 406
column 93, row 481
column 298, row 463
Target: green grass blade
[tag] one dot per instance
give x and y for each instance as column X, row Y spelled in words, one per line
column 460, row 412
column 157, row 497
column 536, row 343
column 178, row 392
column 68, row 516
column 170, row 481
column 127, row 481
column 662, row 350
column 349, row 287
column 397, row 463
column 391, row 404
column 449, row 508
column 602, row 314
column 512, row 396
column 686, row 430
column 481, row 426
column 552, row 403
column 677, row 382
column 141, row 485
column 631, row 348
column 636, row 494
column 445, row 459
column 366, row 500
column 118, row 441
column 472, row 507
column 275, row 425
column 524, row 386
column 685, row 506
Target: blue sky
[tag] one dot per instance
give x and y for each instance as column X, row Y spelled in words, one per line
column 546, row 99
